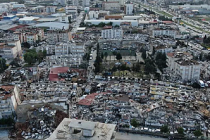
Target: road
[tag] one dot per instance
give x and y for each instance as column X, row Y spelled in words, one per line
column 77, row 22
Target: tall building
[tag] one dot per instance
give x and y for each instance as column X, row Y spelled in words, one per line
column 54, row 36
column 128, row 9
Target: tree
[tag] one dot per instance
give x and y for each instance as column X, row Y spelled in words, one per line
column 102, row 55
column 144, row 54
column 114, row 53
column 26, row 45
column 69, row 18
column 180, row 130
column 105, row 55
column 3, row 65
column 197, row 133
column 164, row 129
column 14, row 63
column 118, row 56
column 44, row 53
column 134, row 123
column 30, row 56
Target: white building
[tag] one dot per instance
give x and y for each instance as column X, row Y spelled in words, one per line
column 4, row 7
column 187, row 70
column 72, row 10
column 51, row 9
column 93, row 14
column 9, row 101
column 121, row 2
column 28, row 20
column 61, row 2
column 85, row 3
column 112, row 33
column 92, row 130
column 174, row 56
column 182, row 65
column 164, row 32
column 113, row 6
column 128, row 9
column 10, row 49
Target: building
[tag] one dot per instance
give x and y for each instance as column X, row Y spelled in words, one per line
column 28, row 34
column 72, row 10
column 164, row 32
column 115, row 22
column 121, row 2
column 53, row 25
column 112, row 6
column 85, row 3
column 172, row 57
column 80, row 129
column 187, row 70
column 28, row 20
column 112, row 33
column 54, row 36
column 51, row 9
column 10, row 49
column 9, row 99
column 61, row 2
column 183, row 67
column 128, row 9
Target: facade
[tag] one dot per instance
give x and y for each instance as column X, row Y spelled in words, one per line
column 10, row 49
column 113, row 6
column 28, row 34
column 188, row 70
column 164, row 32
column 172, row 57
column 86, row 3
column 84, row 129
column 115, row 22
column 54, row 36
column 72, row 10
column 112, row 33
column 128, row 9
column 51, row 9
column 182, row 65
column 9, row 101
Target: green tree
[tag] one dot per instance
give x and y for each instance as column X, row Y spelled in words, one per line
column 118, row 56
column 197, row 133
column 149, row 66
column 134, row 123
column 180, row 130
column 144, row 54
column 102, row 55
column 105, row 55
column 26, row 45
column 44, row 53
column 30, row 56
column 3, row 65
column 164, row 129
column 114, row 53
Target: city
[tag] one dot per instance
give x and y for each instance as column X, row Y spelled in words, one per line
column 104, row 69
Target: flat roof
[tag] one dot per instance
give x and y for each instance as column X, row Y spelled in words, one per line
column 81, row 28
column 82, row 124
column 47, row 19
column 54, row 25
column 28, row 18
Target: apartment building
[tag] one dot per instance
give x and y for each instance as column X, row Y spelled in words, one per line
column 174, row 56
column 72, row 10
column 113, row 6
column 9, row 99
column 187, row 70
column 54, row 36
column 128, row 9
column 51, row 9
column 29, row 34
column 164, row 32
column 85, row 3
column 64, row 48
column 10, row 49
column 112, row 33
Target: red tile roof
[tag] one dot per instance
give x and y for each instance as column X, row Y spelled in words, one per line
column 17, row 27
column 53, row 76
column 7, row 88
